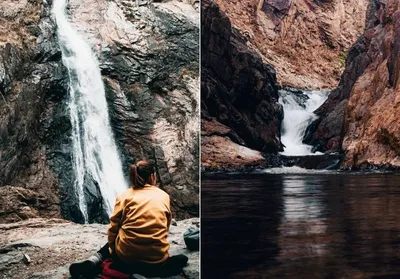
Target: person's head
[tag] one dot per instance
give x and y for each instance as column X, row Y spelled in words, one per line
column 141, row 173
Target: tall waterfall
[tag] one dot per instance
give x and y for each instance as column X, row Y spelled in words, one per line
column 95, row 153
column 298, row 110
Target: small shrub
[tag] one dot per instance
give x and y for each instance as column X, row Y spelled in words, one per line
column 342, row 58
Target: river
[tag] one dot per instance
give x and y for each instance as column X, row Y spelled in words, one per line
column 301, row 225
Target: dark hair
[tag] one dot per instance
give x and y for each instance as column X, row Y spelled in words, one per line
column 139, row 174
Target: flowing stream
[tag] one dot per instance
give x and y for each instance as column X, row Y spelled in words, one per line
column 95, row 154
column 298, row 114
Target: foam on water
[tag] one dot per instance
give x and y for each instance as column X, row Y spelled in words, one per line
column 297, row 118
column 292, row 170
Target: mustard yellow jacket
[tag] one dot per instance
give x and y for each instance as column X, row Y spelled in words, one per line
column 139, row 225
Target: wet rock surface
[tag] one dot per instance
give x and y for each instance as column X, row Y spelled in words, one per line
column 268, row 161
column 239, row 93
column 298, row 95
column 53, row 244
column 317, row 162
column 148, row 56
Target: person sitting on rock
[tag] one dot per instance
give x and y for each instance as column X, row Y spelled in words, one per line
column 137, row 236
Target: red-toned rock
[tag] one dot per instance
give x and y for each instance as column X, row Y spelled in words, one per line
column 368, row 92
column 306, row 41
column 218, row 152
column 238, row 90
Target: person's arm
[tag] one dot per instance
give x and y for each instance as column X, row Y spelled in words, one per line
column 115, row 223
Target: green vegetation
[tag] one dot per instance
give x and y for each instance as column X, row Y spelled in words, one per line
column 342, row 58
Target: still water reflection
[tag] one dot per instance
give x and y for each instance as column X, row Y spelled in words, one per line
column 301, row 226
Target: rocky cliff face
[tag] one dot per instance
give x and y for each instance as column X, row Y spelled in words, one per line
column 361, row 114
column 148, row 56
column 306, row 41
column 374, row 97
column 238, row 94
column 32, row 85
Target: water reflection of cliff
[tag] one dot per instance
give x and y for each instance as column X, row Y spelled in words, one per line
column 372, row 224
column 309, row 226
column 240, row 225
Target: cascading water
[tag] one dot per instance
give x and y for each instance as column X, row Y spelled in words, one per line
column 298, row 110
column 95, row 154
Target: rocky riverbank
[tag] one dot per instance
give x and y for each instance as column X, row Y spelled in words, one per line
column 44, row 248
column 268, row 161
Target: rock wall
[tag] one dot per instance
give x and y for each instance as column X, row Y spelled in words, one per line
column 361, row 115
column 148, row 56
column 32, row 84
column 305, row 40
column 239, row 96
column 374, row 97
column 149, row 59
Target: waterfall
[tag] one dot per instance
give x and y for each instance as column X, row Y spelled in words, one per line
column 298, row 107
column 95, row 154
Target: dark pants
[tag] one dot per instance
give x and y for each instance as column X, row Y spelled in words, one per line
column 172, row 266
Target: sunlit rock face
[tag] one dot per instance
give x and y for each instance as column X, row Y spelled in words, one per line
column 148, row 57
column 305, row 41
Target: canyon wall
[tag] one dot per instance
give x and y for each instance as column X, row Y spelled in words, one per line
column 239, row 96
column 305, row 40
column 371, row 126
column 360, row 117
column 148, row 54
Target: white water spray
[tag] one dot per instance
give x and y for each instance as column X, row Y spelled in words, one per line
column 95, row 153
column 297, row 118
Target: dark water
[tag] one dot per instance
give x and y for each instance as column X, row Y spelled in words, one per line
column 301, row 226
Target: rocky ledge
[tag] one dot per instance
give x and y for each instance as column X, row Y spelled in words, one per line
column 268, row 161
column 44, row 248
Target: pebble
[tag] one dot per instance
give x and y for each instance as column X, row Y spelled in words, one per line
column 26, row 259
